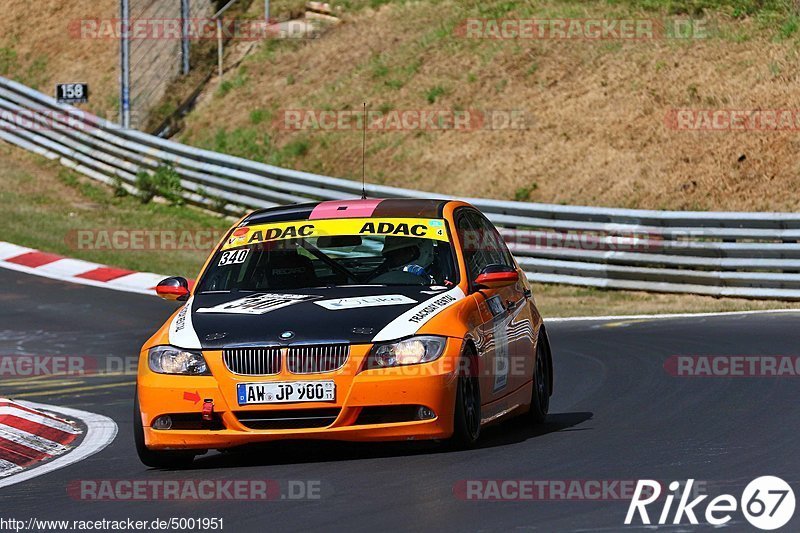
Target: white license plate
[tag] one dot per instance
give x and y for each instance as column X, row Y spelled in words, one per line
column 286, row 392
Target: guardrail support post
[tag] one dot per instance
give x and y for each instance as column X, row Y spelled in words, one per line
column 220, row 44
column 125, row 64
column 185, row 15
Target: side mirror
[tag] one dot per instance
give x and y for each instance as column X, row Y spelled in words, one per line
column 496, row 277
column 173, row 289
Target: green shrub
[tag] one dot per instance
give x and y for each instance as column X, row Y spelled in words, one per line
column 297, row 148
column 434, row 93
column 789, row 27
column 117, row 185
column 216, row 203
column 241, row 142
column 238, row 82
column 523, row 194
column 257, row 116
column 164, row 182
column 219, row 204
column 8, row 61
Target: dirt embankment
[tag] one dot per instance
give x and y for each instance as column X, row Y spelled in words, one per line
column 597, row 128
column 598, row 131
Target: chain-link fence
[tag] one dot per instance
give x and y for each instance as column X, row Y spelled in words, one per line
column 158, row 50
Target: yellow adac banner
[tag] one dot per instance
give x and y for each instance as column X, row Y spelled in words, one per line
column 421, row 228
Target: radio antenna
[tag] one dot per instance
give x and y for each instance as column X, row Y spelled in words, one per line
column 364, row 155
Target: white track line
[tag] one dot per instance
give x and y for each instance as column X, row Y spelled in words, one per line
column 101, row 431
column 669, row 316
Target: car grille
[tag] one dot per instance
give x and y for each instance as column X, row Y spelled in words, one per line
column 253, row 361
column 316, row 358
column 311, row 359
column 288, row 419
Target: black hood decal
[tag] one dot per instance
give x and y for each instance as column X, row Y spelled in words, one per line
column 347, row 314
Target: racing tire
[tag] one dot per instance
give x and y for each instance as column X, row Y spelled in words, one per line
column 540, row 397
column 467, row 416
column 154, row 458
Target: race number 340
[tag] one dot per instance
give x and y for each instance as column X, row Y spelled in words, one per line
column 233, row 257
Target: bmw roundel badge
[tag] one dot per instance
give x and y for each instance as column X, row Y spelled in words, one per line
column 286, row 335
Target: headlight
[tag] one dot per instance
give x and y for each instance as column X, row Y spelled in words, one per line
column 412, row 351
column 172, row 360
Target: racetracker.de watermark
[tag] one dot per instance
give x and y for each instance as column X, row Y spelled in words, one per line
column 465, row 120
column 138, row 240
column 549, row 489
column 733, row 366
column 733, row 119
column 197, row 29
column 588, row 29
column 43, row 119
column 26, row 366
column 199, row 523
column 526, row 240
column 126, row 490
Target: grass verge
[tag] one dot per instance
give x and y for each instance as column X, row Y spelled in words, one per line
column 45, row 205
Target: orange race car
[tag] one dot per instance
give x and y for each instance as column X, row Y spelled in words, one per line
column 362, row 320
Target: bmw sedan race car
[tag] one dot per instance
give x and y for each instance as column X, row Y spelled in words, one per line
column 360, row 320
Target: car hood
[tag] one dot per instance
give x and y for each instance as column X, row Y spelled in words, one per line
column 357, row 315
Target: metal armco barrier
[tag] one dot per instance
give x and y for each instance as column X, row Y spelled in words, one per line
column 751, row 255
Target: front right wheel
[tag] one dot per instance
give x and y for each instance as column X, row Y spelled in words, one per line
column 467, row 417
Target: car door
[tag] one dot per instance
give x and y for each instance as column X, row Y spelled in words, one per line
column 504, row 311
column 514, row 321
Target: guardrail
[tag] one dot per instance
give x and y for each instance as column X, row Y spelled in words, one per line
column 751, row 255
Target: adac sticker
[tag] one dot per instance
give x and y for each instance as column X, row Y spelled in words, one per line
column 404, row 227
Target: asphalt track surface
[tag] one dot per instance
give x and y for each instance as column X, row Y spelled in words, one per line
column 616, row 415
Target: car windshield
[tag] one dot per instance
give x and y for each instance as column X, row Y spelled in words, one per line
column 298, row 255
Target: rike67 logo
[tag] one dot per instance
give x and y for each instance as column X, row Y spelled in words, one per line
column 767, row 503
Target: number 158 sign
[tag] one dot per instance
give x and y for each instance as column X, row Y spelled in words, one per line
column 72, row 93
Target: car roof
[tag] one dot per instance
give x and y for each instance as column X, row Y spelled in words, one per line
column 369, row 208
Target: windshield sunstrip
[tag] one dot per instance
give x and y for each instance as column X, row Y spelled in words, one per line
column 422, row 228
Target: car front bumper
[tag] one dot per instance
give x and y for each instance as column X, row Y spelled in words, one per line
column 391, row 391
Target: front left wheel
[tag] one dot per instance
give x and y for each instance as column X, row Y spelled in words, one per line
column 156, row 458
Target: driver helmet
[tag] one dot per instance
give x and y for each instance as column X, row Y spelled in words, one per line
column 427, row 253
column 403, row 252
